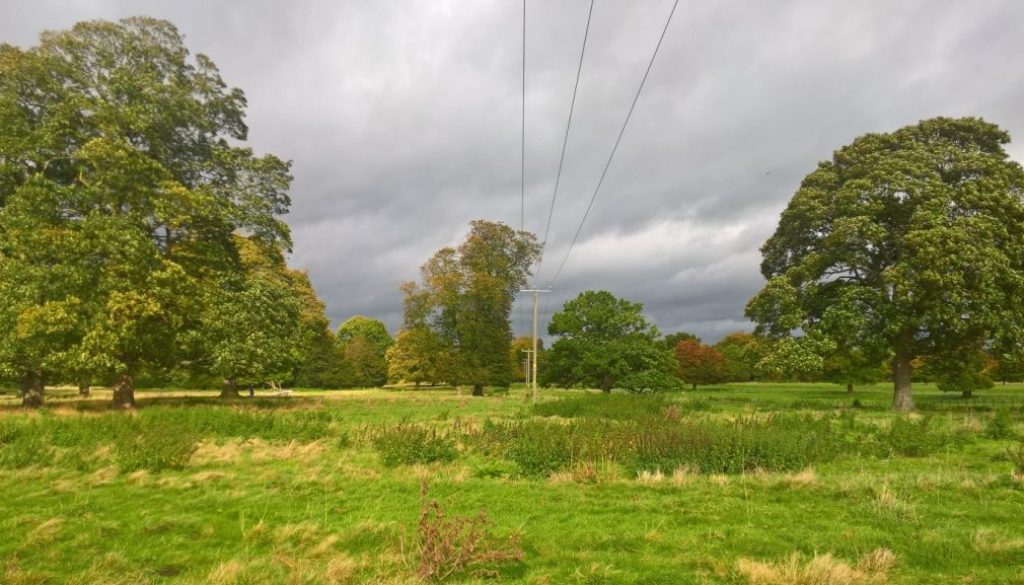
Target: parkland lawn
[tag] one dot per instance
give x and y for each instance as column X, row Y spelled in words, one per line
column 720, row 485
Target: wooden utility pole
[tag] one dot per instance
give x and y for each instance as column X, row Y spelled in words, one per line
column 526, row 364
column 533, row 377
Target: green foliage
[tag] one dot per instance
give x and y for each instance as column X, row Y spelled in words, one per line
column 367, row 363
column 406, row 444
column 367, row 328
column 465, row 300
column 742, row 352
column 153, row 445
column 901, row 245
column 775, row 444
column 418, row 356
column 794, row 359
column 671, row 340
column 1000, row 426
column 605, row 342
column 122, row 186
column 917, row 438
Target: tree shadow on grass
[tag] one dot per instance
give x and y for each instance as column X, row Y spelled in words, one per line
column 69, row 401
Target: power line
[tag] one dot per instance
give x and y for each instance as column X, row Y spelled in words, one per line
column 565, row 142
column 616, row 146
column 522, row 142
column 522, row 158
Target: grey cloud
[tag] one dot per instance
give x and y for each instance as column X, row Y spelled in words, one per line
column 402, row 119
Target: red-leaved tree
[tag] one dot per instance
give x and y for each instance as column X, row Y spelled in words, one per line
column 700, row 364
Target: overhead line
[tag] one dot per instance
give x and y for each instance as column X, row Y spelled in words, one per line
column 611, row 156
column 522, row 157
column 565, row 142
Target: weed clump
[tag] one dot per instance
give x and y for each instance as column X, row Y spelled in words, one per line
column 872, row 569
column 918, row 438
column 406, row 444
column 448, row 546
column 153, row 445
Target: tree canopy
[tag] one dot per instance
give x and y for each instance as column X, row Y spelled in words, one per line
column 605, row 342
column 123, row 189
column 465, row 298
column 902, row 245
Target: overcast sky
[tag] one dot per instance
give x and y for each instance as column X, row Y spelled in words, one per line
column 403, row 122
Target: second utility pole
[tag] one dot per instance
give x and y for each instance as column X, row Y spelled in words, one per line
column 533, row 381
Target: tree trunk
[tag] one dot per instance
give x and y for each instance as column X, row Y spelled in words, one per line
column 968, row 393
column 901, row 371
column 478, row 389
column 694, row 386
column 83, row 389
column 606, row 384
column 230, row 389
column 124, row 392
column 849, row 388
column 252, row 391
column 32, row 389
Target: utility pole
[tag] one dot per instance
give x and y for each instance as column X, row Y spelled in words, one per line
column 526, row 364
column 533, row 378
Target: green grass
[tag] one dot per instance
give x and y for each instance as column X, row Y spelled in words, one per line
column 324, row 487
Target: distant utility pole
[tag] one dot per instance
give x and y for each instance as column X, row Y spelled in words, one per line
column 533, row 378
column 526, row 364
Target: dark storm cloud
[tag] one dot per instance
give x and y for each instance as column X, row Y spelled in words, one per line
column 402, row 119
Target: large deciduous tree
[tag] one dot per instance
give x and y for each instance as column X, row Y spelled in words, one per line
column 466, row 297
column 902, row 245
column 134, row 146
column 604, row 342
column 700, row 364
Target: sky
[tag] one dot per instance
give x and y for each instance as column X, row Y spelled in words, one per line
column 403, row 122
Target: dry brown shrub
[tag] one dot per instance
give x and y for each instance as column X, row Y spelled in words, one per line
column 451, row 545
column 872, row 569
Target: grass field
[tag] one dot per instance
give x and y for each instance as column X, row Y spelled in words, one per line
column 755, row 483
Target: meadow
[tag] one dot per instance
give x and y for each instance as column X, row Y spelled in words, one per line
column 737, row 484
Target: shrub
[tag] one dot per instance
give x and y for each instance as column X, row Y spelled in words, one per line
column 1000, row 426
column 405, row 444
column 658, row 442
column 448, row 546
column 918, row 438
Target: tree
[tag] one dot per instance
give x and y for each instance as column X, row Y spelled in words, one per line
column 671, row 340
column 466, row 297
column 371, row 329
column 251, row 327
column 364, row 343
column 964, row 372
column 603, row 342
column 418, row 356
column 742, row 351
column 699, row 363
column 133, row 144
column 902, row 245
